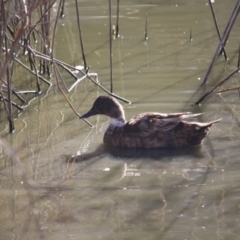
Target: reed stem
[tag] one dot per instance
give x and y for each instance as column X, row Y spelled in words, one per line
column 217, row 28
column 110, row 44
column 224, row 38
column 117, row 23
column 80, row 36
column 146, row 27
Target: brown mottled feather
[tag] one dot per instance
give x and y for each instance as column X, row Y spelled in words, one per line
column 149, row 130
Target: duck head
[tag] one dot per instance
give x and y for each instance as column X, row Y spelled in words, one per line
column 108, row 106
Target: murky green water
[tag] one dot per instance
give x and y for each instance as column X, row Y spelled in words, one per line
column 128, row 194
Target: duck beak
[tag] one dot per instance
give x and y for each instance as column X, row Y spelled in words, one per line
column 90, row 113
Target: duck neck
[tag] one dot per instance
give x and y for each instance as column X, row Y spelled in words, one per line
column 117, row 118
column 117, row 122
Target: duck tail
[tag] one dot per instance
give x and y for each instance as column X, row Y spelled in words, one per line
column 205, row 125
column 190, row 115
column 214, row 121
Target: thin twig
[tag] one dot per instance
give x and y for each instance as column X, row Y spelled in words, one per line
column 219, row 84
column 14, row 104
column 57, row 73
column 35, row 71
column 104, row 89
column 217, row 28
column 27, row 68
column 15, row 92
column 33, row 27
column 228, row 89
column 9, row 53
column 224, row 38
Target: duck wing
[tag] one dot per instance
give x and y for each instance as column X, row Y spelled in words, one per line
column 148, row 123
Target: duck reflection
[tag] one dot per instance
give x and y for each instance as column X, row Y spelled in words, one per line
column 154, row 154
column 137, row 154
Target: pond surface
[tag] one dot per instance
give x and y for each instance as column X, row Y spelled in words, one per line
column 190, row 193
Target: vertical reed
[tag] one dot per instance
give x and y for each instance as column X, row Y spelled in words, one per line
column 216, row 25
column 224, row 38
column 238, row 64
column 117, row 22
column 80, row 36
column 62, row 9
column 9, row 94
column 110, row 44
column 146, row 27
column 191, row 38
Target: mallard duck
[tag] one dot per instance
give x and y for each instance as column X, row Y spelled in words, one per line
column 150, row 129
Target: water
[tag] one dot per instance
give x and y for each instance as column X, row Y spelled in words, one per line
column 68, row 185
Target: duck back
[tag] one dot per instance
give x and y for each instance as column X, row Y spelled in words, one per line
column 155, row 131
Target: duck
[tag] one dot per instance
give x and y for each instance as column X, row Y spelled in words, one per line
column 149, row 129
